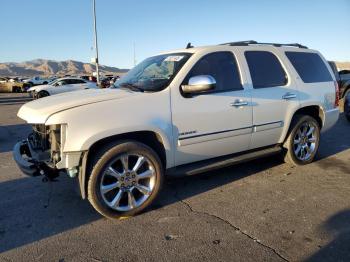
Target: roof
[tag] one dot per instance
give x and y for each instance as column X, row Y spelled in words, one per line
column 241, row 44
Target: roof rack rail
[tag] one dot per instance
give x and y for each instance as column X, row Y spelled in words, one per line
column 252, row 42
column 241, row 43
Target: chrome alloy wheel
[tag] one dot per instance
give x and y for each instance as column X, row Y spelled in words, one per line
column 304, row 142
column 127, row 182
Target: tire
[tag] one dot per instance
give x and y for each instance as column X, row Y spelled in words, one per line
column 45, row 83
column 107, row 169
column 347, row 105
column 16, row 89
column 304, row 152
column 42, row 94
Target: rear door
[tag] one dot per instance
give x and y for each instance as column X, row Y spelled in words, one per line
column 274, row 95
column 78, row 84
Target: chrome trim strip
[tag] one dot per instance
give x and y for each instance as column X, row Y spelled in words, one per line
column 183, row 141
column 267, row 126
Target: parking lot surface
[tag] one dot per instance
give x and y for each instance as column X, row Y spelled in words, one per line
column 263, row 210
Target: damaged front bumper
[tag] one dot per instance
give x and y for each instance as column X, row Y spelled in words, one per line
column 30, row 165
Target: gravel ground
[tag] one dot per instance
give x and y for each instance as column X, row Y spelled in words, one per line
column 263, row 210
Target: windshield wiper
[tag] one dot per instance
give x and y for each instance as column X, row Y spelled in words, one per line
column 131, row 87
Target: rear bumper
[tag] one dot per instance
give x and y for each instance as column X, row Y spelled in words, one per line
column 330, row 118
column 22, row 156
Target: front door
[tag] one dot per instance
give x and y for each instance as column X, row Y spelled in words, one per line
column 214, row 123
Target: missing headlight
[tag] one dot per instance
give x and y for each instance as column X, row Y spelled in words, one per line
column 55, row 142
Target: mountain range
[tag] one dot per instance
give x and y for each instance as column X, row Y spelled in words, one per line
column 43, row 67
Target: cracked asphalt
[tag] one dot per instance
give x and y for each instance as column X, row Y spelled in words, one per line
column 263, row 210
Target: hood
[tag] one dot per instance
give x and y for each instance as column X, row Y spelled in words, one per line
column 37, row 88
column 38, row 111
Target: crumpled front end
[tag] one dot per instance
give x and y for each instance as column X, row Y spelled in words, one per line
column 40, row 152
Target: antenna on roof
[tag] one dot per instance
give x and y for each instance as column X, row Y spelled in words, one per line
column 189, row 45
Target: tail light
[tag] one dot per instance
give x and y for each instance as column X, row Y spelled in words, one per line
column 337, row 95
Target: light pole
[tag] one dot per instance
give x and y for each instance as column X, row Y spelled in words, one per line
column 134, row 54
column 96, row 48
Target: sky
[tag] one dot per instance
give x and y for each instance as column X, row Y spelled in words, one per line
column 63, row 29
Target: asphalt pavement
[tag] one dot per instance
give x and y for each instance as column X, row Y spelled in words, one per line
column 263, row 210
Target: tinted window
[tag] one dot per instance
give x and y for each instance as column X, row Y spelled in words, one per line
column 309, row 66
column 223, row 67
column 76, row 81
column 265, row 69
column 62, row 83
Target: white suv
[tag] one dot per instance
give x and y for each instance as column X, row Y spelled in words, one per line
column 37, row 81
column 181, row 112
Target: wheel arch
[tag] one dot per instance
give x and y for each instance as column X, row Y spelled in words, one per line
column 150, row 138
column 315, row 111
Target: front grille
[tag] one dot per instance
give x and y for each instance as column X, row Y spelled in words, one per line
column 39, row 138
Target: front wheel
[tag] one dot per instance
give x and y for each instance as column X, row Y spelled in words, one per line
column 42, row 93
column 125, row 179
column 303, row 140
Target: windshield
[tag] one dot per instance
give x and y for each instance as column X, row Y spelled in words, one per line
column 53, row 82
column 154, row 73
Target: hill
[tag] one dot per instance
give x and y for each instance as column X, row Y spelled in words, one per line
column 43, row 67
column 343, row 65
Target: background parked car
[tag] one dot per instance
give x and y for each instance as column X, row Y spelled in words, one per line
column 61, row 85
column 12, row 86
column 37, row 81
column 343, row 79
column 3, row 80
column 347, row 106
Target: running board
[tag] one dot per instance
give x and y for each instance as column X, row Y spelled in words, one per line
column 220, row 162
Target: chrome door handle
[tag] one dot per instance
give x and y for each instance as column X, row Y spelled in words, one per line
column 288, row 96
column 239, row 103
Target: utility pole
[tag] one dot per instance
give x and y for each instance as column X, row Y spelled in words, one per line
column 96, row 48
column 134, row 54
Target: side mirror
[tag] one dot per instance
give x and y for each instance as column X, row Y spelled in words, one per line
column 199, row 84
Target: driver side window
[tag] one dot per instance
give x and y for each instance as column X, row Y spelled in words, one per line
column 223, row 67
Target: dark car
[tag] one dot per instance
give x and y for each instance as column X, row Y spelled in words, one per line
column 343, row 79
column 347, row 106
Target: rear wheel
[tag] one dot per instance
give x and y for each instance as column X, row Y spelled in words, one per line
column 303, row 140
column 125, row 179
column 42, row 93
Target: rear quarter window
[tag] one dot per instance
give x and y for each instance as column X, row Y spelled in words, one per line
column 310, row 67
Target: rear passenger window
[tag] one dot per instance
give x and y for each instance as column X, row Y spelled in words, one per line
column 265, row 69
column 223, row 67
column 77, row 81
column 310, row 67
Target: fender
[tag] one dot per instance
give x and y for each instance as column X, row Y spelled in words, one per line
column 292, row 114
